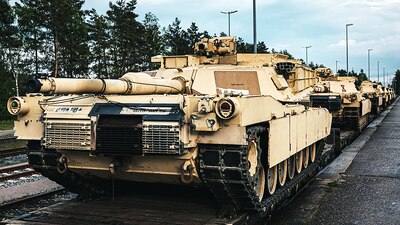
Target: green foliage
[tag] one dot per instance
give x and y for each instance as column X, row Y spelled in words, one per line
column 396, row 82
column 285, row 52
column 7, row 89
column 99, row 44
column 243, row 47
column 126, row 39
column 9, row 56
column 361, row 77
column 55, row 36
column 342, row 72
column 193, row 35
column 62, row 39
column 262, row 47
column 153, row 43
column 176, row 39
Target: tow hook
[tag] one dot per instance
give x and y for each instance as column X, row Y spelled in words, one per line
column 62, row 164
column 187, row 167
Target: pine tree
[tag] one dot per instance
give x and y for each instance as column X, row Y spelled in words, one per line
column 342, row 72
column 153, row 44
column 30, row 23
column 262, row 47
column 59, row 29
column 223, row 34
column 243, row 47
column 193, row 35
column 99, row 35
column 9, row 56
column 396, row 82
column 176, row 38
column 285, row 52
column 205, row 34
column 126, row 37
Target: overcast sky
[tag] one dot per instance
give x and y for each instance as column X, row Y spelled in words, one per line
column 292, row 24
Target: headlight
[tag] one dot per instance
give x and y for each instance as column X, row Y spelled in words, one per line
column 227, row 108
column 17, row 105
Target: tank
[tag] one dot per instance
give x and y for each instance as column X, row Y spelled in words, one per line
column 350, row 109
column 217, row 119
column 386, row 97
column 392, row 95
column 374, row 92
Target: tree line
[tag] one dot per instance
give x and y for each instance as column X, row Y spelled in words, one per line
column 61, row 39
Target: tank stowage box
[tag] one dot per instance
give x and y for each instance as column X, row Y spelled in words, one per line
column 217, row 119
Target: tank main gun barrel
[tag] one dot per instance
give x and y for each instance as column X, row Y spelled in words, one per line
column 129, row 84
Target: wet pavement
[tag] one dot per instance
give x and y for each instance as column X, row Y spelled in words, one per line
column 362, row 186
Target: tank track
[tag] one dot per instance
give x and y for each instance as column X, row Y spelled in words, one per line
column 45, row 162
column 224, row 169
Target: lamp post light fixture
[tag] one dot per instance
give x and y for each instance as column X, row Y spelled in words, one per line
column 369, row 60
column 229, row 19
column 307, row 47
column 347, row 47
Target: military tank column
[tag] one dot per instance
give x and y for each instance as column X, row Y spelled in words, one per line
column 350, row 109
column 249, row 127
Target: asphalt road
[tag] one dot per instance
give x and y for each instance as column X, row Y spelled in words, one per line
column 362, row 186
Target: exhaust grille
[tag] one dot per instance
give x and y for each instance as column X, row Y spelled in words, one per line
column 119, row 135
column 161, row 138
column 74, row 136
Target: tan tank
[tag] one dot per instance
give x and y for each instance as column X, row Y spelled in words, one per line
column 374, row 92
column 216, row 119
column 350, row 110
column 386, row 96
column 392, row 95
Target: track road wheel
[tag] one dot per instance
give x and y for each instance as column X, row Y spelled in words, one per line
column 282, row 172
column 313, row 152
column 252, row 157
column 272, row 175
column 260, row 186
column 306, row 156
column 256, row 170
column 299, row 161
column 291, row 168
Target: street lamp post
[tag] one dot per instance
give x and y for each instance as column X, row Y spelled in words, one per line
column 307, row 47
column 347, row 47
column 378, row 71
column 336, row 65
column 254, row 27
column 229, row 20
column 369, row 60
column 384, row 76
